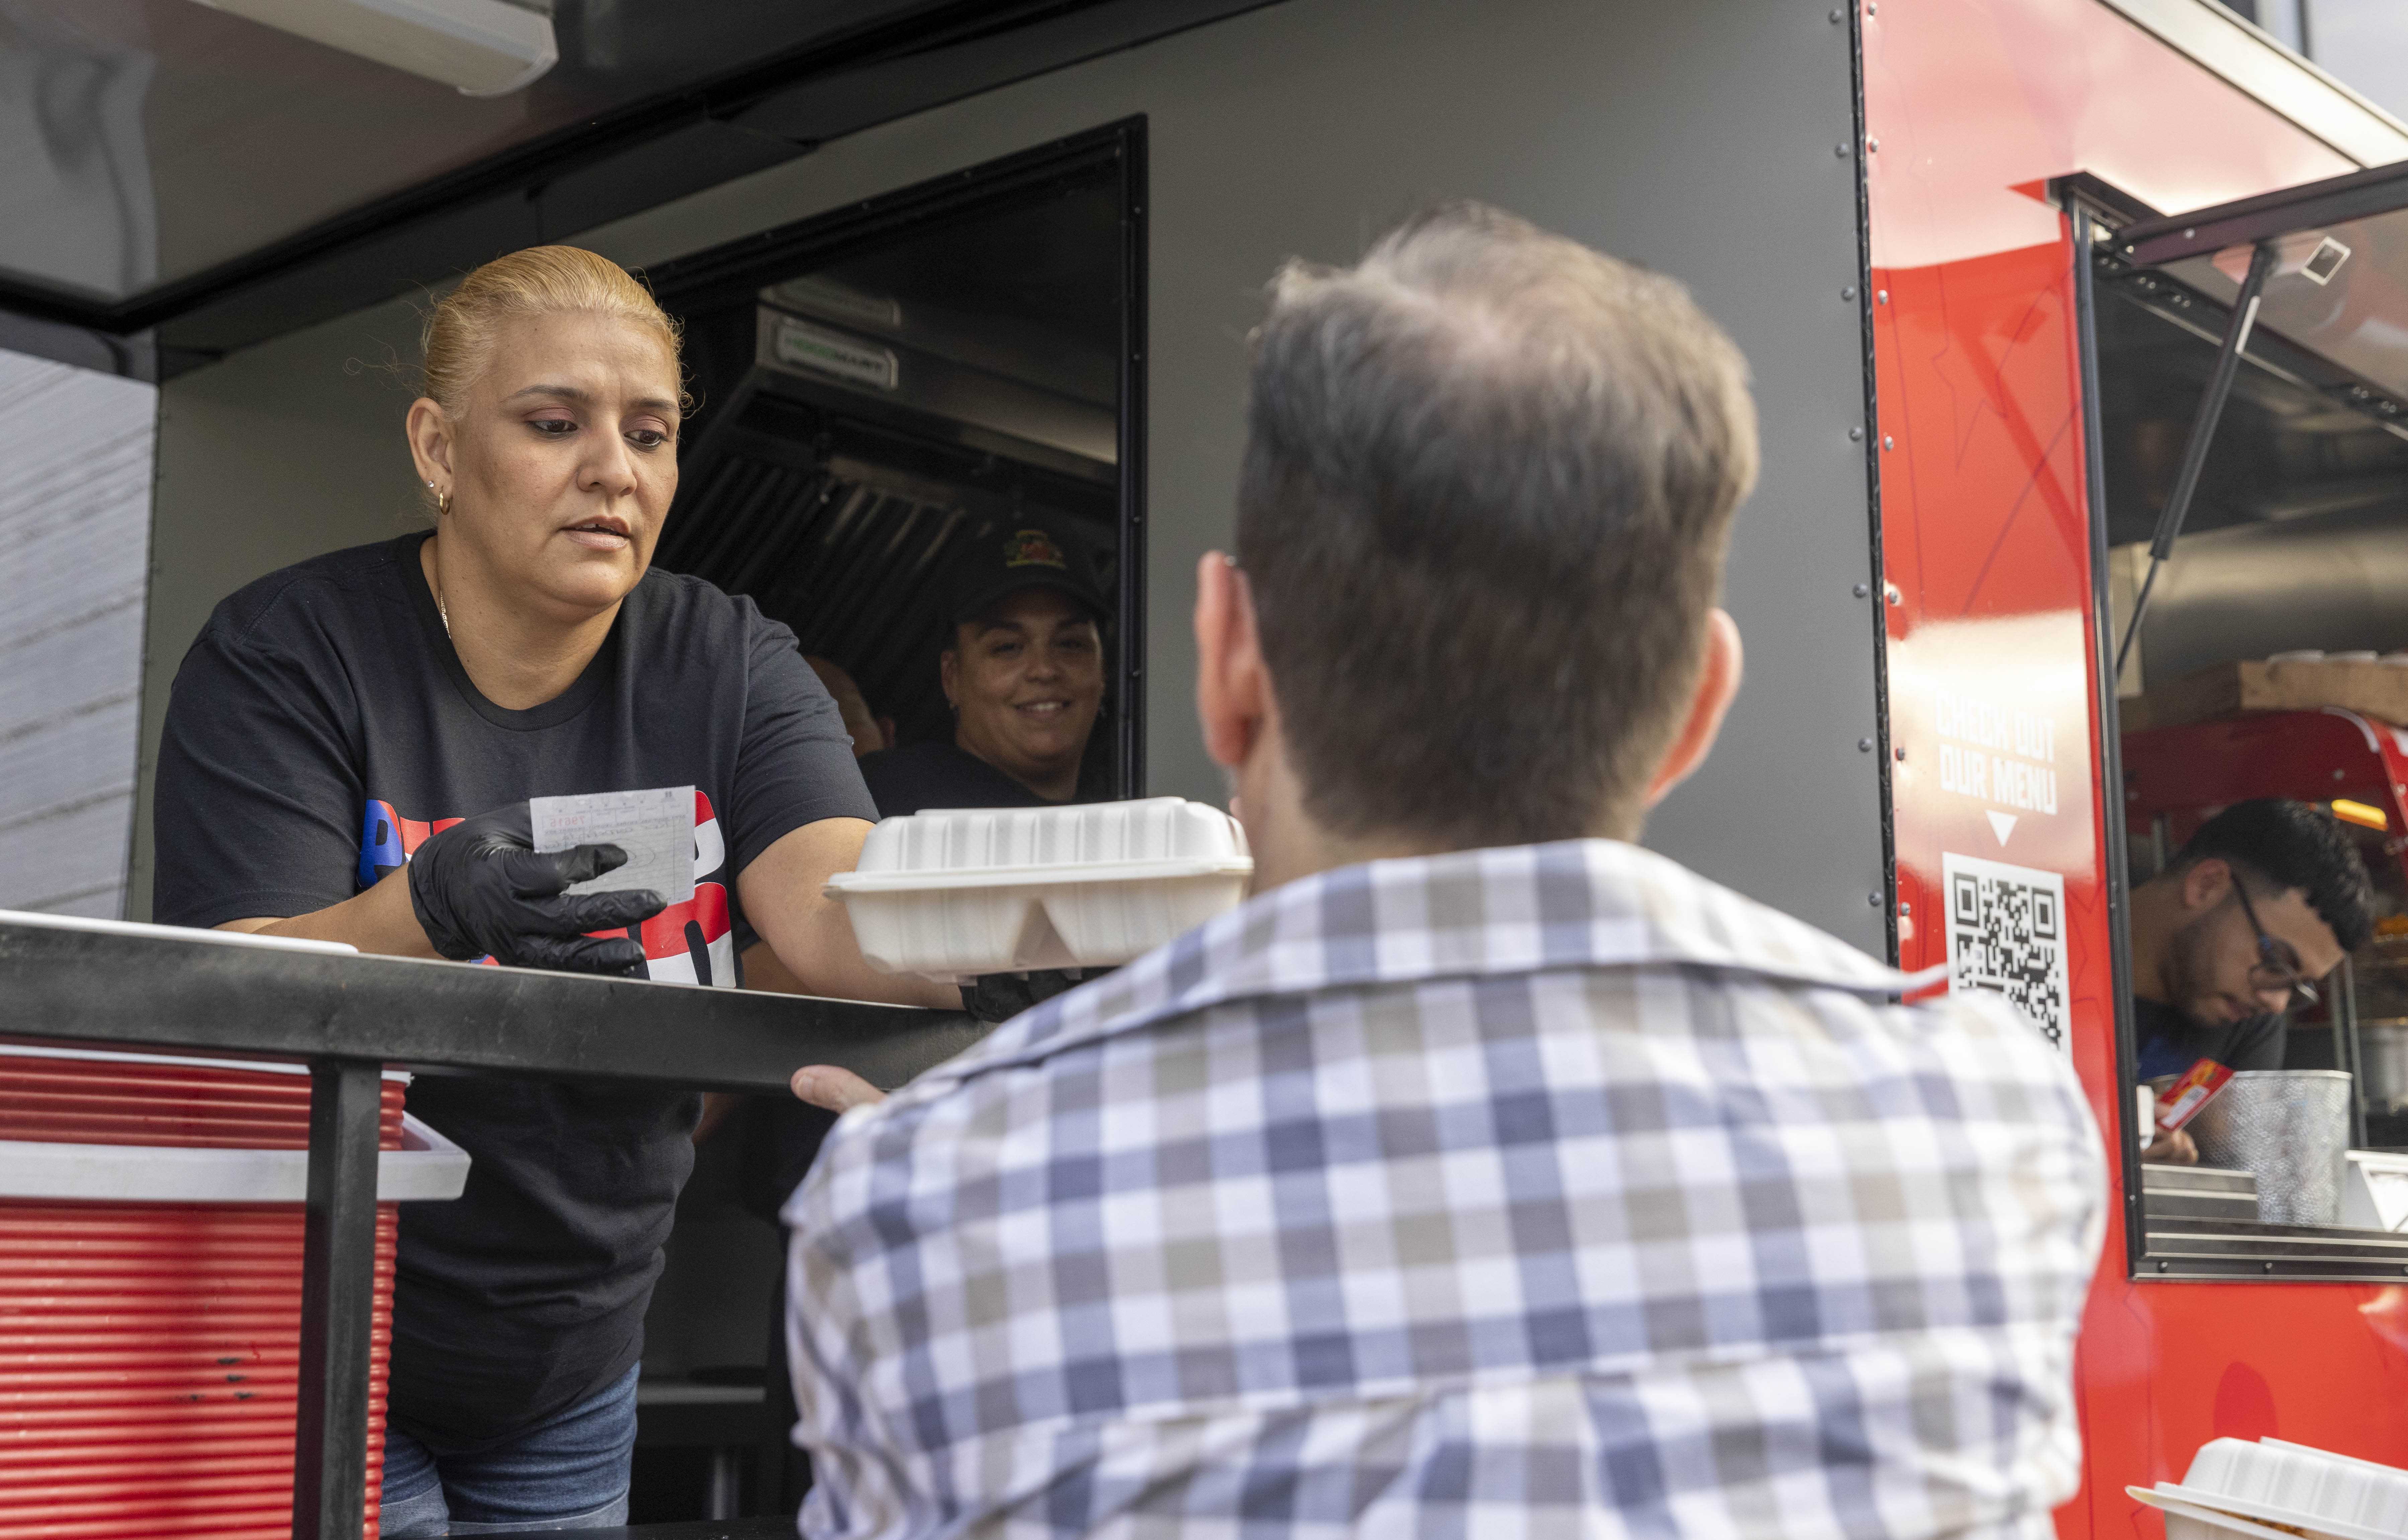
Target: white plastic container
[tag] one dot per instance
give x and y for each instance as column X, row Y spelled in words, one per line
column 955, row 893
column 2375, row 1191
column 2289, row 1486
column 2188, row 1521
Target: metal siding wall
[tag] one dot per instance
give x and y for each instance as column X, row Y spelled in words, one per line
column 75, row 543
column 283, row 452
column 1696, row 139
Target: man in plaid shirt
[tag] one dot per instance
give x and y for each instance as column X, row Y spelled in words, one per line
column 1483, row 1174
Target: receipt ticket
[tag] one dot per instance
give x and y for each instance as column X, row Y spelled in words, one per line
column 655, row 827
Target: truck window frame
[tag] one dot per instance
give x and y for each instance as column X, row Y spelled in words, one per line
column 2093, row 210
column 1112, row 154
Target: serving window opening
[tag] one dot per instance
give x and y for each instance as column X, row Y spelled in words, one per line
column 889, row 390
column 2249, row 386
column 884, row 394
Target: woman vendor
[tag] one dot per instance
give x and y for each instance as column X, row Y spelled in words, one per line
column 348, row 752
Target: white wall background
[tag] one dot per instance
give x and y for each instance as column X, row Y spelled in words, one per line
column 283, row 452
column 75, row 543
column 2365, row 42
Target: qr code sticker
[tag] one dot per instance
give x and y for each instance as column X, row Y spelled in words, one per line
column 2006, row 934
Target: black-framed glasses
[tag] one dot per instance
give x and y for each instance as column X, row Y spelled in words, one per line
column 2271, row 973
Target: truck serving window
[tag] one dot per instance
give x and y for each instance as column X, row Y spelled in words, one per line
column 886, row 388
column 2248, row 383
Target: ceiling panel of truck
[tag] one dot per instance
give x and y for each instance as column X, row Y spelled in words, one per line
column 173, row 165
column 159, row 138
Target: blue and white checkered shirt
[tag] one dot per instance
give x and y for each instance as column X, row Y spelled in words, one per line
column 1533, row 1192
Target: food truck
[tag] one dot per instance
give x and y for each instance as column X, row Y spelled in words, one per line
column 1996, row 265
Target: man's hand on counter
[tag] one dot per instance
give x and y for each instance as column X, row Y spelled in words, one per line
column 838, row 1090
column 784, row 894
column 992, row 999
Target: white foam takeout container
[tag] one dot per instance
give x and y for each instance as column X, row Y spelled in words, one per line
column 955, row 893
column 2289, row 1486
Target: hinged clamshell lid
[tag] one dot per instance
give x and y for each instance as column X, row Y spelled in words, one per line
column 982, row 847
column 959, row 893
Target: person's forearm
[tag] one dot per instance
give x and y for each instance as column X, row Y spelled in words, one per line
column 380, row 920
column 833, row 966
column 783, row 891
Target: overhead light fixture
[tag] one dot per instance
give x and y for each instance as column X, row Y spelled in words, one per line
column 2359, row 812
column 484, row 48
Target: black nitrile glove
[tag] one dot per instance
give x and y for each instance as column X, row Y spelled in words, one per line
column 479, row 889
column 994, row 998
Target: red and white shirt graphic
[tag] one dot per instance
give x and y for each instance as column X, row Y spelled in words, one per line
column 689, row 943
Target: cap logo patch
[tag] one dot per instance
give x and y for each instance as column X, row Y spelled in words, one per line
column 1033, row 548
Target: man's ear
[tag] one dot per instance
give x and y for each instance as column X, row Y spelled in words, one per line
column 1717, row 687
column 2203, row 886
column 949, row 675
column 1232, row 688
column 885, row 732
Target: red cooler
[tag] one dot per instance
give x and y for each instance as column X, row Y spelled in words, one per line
column 151, row 1223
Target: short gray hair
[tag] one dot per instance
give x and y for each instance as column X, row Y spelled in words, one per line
column 1487, row 490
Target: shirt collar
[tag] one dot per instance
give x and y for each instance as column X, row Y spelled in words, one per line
column 1517, row 909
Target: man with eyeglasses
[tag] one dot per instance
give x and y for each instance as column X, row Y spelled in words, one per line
column 2263, row 901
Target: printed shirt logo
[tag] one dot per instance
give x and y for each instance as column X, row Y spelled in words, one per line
column 1033, row 548
column 689, row 943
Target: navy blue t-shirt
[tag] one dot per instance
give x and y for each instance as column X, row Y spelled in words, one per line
column 2171, row 1041
column 320, row 728
column 919, row 776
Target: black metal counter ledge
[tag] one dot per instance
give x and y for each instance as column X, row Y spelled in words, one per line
column 348, row 1016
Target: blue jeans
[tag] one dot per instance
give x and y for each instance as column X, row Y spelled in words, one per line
column 569, row 1473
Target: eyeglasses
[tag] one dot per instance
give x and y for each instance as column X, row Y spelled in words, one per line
column 2272, row 973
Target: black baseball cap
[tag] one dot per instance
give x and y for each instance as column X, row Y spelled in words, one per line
column 1028, row 556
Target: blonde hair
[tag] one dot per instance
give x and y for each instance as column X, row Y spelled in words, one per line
column 462, row 328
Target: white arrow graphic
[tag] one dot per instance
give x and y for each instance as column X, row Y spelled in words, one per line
column 2001, row 824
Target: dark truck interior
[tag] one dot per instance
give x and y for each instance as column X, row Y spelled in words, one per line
column 875, row 391
column 863, row 419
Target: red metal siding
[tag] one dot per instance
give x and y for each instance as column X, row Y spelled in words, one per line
column 1975, row 104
